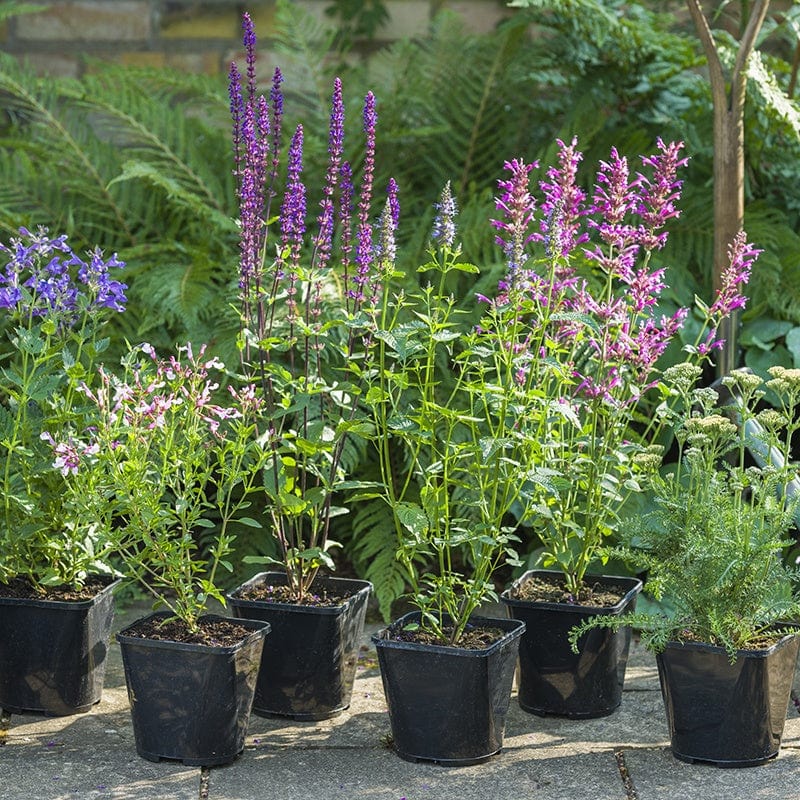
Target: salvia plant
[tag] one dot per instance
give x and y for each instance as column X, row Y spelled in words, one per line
column 456, row 488
column 54, row 306
column 163, row 459
column 572, row 338
column 713, row 545
column 300, row 291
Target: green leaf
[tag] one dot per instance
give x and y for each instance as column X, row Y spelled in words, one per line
column 763, row 332
column 412, row 517
column 793, row 345
column 465, row 267
column 249, row 522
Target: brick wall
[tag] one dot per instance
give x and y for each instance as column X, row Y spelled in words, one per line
column 196, row 36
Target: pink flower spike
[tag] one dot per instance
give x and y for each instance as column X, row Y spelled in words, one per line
column 741, row 256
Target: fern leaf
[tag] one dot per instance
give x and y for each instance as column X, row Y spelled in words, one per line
column 374, row 549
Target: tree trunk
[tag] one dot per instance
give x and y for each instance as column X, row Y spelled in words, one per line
column 728, row 95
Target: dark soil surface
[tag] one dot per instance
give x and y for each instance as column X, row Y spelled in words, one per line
column 277, row 593
column 473, row 638
column 762, row 642
column 212, row 632
column 22, row 589
column 546, row 589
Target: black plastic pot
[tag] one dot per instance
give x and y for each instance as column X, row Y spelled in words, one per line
column 448, row 704
column 731, row 715
column 191, row 702
column 308, row 666
column 53, row 653
column 552, row 679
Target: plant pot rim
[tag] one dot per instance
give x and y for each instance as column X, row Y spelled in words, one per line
column 360, row 586
column 62, row 604
column 513, row 628
column 635, row 586
column 762, row 652
column 259, row 629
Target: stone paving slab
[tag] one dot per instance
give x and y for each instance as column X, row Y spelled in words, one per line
column 659, row 776
column 55, row 769
column 93, row 755
column 379, row 774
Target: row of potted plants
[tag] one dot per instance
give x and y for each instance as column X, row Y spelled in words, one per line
column 550, row 414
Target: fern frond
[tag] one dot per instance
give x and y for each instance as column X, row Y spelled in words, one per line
column 374, row 548
column 55, row 126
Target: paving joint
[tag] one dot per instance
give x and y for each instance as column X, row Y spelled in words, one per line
column 624, row 773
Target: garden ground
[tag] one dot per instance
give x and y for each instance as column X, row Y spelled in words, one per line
column 620, row 757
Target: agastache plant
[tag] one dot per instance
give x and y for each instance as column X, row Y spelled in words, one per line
column 574, row 336
column 164, row 471
column 301, row 289
column 54, row 306
column 427, row 402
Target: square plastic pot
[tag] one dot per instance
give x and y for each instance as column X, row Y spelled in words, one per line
column 191, row 702
column 447, row 704
column 53, row 653
column 308, row 665
column 731, row 715
column 552, row 679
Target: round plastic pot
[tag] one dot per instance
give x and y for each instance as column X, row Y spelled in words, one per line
column 308, row 666
column 191, row 702
column 731, row 715
column 552, row 679
column 447, row 704
column 53, row 653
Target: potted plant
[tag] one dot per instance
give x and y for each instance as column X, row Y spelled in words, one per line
column 446, row 670
column 579, row 329
column 713, row 550
column 56, row 583
column 164, row 471
column 296, row 347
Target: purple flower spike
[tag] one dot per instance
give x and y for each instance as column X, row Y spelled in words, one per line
column 613, row 196
column 444, row 225
column 293, row 210
column 364, row 231
column 276, row 101
column 387, row 226
column 517, row 206
column 237, row 115
column 563, row 202
column 249, row 42
column 346, row 195
column 335, row 147
column 659, row 195
column 392, row 192
column 741, row 256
